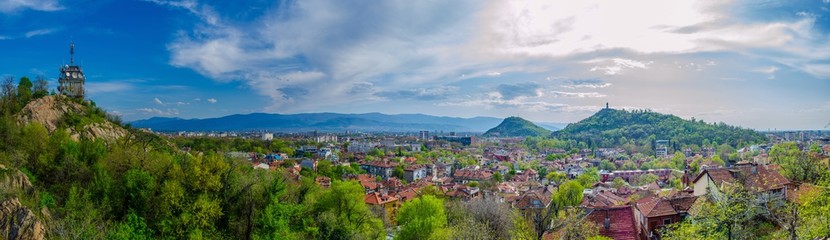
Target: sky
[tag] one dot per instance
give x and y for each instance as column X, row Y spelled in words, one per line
column 757, row 64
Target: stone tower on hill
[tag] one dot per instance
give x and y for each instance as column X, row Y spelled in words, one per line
column 71, row 81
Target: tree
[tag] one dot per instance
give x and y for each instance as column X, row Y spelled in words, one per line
column 678, row 161
column 588, row 177
column 646, row 179
column 797, row 165
column 398, row 172
column 607, row 165
column 815, row 212
column 628, row 165
column 342, row 214
column 24, row 90
column 557, row 177
column 568, row 195
column 41, row 87
column 619, row 182
column 423, row 218
column 497, row 177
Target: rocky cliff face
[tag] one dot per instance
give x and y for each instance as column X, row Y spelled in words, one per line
column 51, row 110
column 18, row 222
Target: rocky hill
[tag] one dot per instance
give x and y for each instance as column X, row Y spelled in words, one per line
column 16, row 220
column 79, row 119
column 517, row 127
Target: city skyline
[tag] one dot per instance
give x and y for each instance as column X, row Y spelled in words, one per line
column 756, row 64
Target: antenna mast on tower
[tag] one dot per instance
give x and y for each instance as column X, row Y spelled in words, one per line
column 72, row 53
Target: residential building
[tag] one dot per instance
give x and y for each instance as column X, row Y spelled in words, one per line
column 754, row 177
column 652, row 213
column 380, row 168
column 414, row 173
column 267, row 136
column 309, row 164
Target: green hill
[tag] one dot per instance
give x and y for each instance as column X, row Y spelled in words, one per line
column 612, row 127
column 517, row 127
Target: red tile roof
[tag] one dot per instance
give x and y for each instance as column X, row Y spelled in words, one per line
column 376, row 198
column 473, row 174
column 652, row 206
column 621, row 224
column 757, row 177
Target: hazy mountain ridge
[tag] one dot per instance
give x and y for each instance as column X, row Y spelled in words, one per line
column 369, row 122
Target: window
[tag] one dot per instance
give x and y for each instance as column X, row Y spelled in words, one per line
column 666, row 221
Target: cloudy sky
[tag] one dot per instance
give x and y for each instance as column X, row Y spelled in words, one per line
column 757, row 64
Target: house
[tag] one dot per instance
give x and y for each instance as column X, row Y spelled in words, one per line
column 463, row 192
column 616, row 222
column 380, row 168
column 324, row 182
column 309, row 164
column 602, row 199
column 439, row 170
column 651, row 213
column 471, row 174
column 387, row 202
column 754, row 177
column 531, row 202
column 414, row 173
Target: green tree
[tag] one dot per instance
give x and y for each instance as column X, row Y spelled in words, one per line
column 568, row 195
column 423, row 218
column 24, row 90
column 646, row 179
column 619, row 182
column 607, row 165
column 342, row 214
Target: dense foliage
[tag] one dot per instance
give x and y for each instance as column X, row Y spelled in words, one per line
column 517, row 127
column 612, row 128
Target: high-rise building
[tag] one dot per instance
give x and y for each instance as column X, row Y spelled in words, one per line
column 423, row 135
column 71, row 81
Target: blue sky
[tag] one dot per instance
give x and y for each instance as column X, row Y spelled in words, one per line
column 758, row 64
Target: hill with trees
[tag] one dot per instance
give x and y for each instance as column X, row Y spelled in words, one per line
column 612, row 127
column 517, row 127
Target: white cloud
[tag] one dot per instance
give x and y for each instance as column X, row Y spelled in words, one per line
column 39, row 32
column 578, row 94
column 212, row 100
column 619, row 64
column 320, row 55
column 11, row 6
column 767, row 70
column 158, row 101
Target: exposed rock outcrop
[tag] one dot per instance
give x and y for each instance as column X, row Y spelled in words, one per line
column 14, row 181
column 51, row 110
column 18, row 222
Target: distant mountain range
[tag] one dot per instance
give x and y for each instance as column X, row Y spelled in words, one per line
column 517, row 127
column 325, row 122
